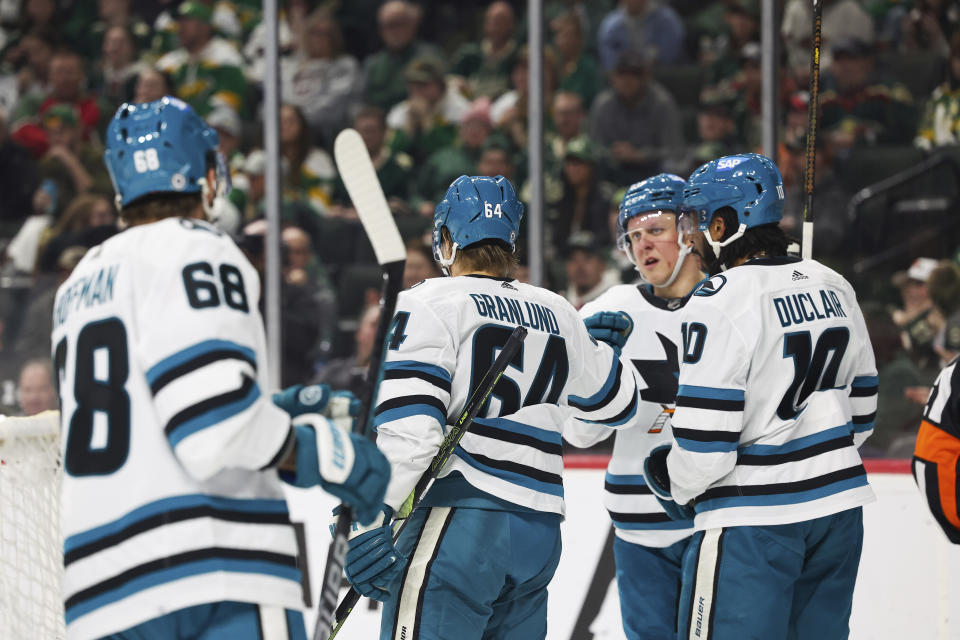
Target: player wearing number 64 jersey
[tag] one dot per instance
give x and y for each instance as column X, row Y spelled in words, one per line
column 477, row 556
column 777, row 389
column 173, row 514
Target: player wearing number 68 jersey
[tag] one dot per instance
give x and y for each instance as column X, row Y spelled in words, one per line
column 173, row 514
column 477, row 556
column 777, row 389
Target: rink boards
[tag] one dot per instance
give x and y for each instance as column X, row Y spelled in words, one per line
column 908, row 587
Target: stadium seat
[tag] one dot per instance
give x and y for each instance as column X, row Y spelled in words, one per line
column 868, row 165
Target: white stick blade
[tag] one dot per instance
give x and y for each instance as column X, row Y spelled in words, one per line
column 360, row 178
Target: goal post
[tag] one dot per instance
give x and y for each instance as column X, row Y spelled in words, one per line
column 31, row 545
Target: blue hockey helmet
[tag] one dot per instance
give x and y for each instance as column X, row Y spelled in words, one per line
column 662, row 192
column 749, row 183
column 476, row 209
column 157, row 147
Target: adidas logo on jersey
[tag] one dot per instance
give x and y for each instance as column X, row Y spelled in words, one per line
column 507, row 285
column 798, row 276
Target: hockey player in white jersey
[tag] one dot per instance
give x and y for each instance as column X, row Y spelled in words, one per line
column 643, row 321
column 174, row 518
column 777, row 390
column 477, row 556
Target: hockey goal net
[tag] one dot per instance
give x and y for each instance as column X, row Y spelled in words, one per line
column 31, row 548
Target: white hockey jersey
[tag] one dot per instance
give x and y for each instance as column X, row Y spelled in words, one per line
column 160, row 352
column 778, row 388
column 447, row 332
column 653, row 348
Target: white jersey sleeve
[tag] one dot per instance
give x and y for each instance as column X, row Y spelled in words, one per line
column 413, row 400
column 202, row 346
column 864, row 388
column 710, row 402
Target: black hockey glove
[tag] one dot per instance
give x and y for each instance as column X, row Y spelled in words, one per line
column 658, row 479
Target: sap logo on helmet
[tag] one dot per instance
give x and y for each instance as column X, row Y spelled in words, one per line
column 711, row 286
column 724, row 164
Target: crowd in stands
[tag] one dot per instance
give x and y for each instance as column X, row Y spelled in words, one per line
column 438, row 89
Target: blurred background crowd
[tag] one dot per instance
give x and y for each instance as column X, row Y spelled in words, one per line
column 438, row 89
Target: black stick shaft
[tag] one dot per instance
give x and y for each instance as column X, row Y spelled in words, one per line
column 812, row 114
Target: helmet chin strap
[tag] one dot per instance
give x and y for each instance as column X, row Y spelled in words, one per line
column 717, row 245
column 446, row 263
column 684, row 251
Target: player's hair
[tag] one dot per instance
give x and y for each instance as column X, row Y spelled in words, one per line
column 768, row 238
column 158, row 206
column 491, row 256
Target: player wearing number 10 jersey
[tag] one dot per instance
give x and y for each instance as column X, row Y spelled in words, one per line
column 777, row 389
column 174, row 518
column 486, row 541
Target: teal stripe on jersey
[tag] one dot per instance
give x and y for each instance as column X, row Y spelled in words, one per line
column 700, row 446
column 776, row 499
column 184, row 356
column 799, row 443
column 410, row 410
column 865, row 381
column 544, row 435
column 175, row 503
column 510, row 476
column 413, row 365
column 215, row 415
column 710, row 393
column 635, row 479
column 163, row 576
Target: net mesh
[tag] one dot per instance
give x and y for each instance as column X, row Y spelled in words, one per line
column 31, row 556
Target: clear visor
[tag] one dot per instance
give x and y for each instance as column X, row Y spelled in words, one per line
column 224, row 184
column 655, row 225
column 689, row 220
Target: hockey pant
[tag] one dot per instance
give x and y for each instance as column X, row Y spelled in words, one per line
column 776, row 582
column 648, row 580
column 473, row 574
column 220, row 621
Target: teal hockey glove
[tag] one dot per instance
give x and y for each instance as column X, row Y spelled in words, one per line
column 344, row 464
column 658, row 479
column 612, row 327
column 339, row 406
column 373, row 562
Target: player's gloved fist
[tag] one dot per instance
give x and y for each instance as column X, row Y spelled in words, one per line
column 344, row 464
column 612, row 327
column 339, row 406
column 658, row 479
column 373, row 562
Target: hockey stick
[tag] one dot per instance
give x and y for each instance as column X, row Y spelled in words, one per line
column 360, row 178
column 806, row 248
column 450, row 442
